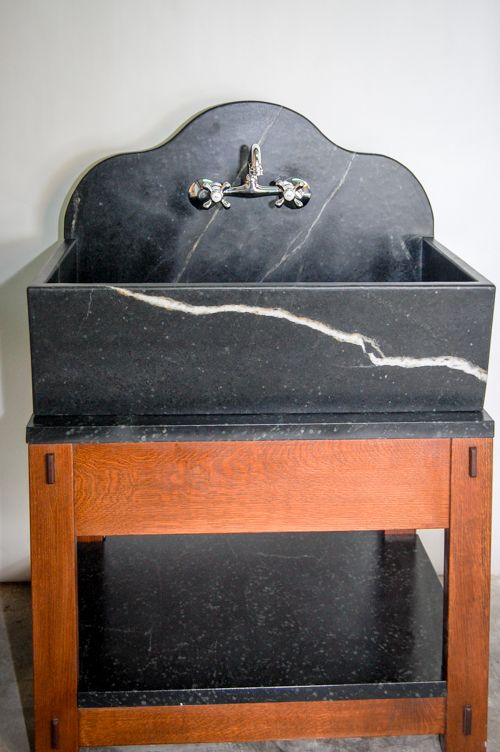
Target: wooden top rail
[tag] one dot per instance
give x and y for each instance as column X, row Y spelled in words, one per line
column 262, row 486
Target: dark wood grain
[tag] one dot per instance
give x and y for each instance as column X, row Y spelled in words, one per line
column 215, row 487
column 468, row 595
column 53, row 582
column 260, row 721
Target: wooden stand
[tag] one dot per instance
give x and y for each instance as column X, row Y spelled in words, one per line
column 88, row 491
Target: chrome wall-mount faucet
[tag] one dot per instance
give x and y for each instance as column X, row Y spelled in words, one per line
column 293, row 192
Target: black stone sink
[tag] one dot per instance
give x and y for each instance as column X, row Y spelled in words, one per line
column 152, row 306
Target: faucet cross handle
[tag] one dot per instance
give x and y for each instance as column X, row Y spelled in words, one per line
column 294, row 191
column 205, row 193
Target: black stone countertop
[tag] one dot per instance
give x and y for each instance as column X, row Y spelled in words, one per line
column 130, row 429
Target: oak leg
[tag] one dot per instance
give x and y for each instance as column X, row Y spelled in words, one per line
column 53, row 582
column 468, row 595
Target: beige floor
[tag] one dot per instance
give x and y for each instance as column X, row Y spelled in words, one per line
column 16, row 722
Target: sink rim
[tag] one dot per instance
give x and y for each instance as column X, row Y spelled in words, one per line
column 64, row 247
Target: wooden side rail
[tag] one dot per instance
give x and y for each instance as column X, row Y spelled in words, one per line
column 265, row 486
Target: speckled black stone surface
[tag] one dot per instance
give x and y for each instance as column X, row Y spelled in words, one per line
column 133, row 223
column 346, row 305
column 242, row 618
column 103, row 429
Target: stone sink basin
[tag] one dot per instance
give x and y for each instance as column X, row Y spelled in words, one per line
column 152, row 306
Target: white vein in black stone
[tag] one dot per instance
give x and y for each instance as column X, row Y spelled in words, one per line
column 368, row 345
column 293, row 248
column 240, row 174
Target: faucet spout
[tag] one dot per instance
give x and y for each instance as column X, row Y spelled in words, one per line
column 294, row 192
column 255, row 162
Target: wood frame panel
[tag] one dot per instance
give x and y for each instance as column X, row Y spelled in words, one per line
column 263, row 486
column 260, row 721
column 53, row 587
column 468, row 595
column 194, row 487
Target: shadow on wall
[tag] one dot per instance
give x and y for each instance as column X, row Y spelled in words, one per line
column 15, row 409
column 15, row 372
column 15, row 367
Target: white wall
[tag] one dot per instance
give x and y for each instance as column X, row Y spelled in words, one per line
column 416, row 79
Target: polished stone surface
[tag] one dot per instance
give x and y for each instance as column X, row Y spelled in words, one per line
column 16, row 717
column 104, row 429
column 152, row 306
column 133, row 222
column 301, row 348
column 168, row 619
